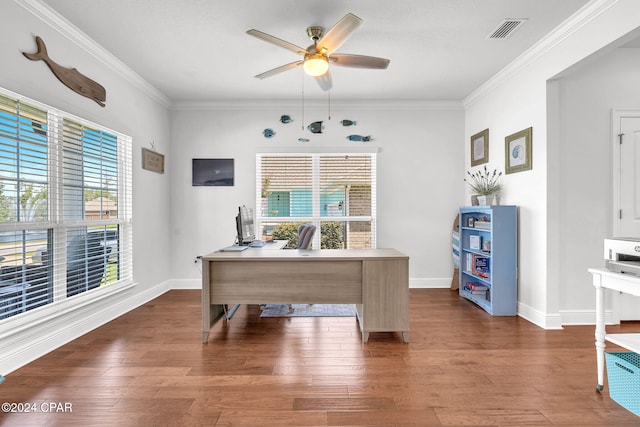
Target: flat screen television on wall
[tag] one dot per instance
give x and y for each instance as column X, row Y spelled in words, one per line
column 212, row 172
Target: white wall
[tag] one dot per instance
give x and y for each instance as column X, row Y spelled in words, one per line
column 419, row 175
column 131, row 109
column 516, row 99
column 587, row 97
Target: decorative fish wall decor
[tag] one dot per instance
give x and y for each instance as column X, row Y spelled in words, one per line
column 359, row 138
column 285, row 119
column 348, row 122
column 70, row 77
column 315, row 127
column 268, row 133
column 303, row 140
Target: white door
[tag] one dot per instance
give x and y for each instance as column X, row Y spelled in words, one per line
column 629, row 195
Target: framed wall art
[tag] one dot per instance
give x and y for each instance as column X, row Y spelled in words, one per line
column 480, row 148
column 152, row 161
column 517, row 151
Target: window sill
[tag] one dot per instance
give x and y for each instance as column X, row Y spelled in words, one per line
column 21, row 322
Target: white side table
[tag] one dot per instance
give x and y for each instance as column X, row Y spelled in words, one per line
column 625, row 283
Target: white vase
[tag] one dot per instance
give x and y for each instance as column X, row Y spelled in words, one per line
column 488, row 200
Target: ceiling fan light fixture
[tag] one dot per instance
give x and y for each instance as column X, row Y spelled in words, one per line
column 315, row 65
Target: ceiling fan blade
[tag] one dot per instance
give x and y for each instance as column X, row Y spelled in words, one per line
column 278, row 42
column 279, row 70
column 324, row 81
column 338, row 34
column 358, row 61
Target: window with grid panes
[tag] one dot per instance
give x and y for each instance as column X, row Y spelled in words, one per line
column 336, row 192
column 65, row 206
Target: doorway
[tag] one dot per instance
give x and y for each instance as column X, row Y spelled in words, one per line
column 626, row 191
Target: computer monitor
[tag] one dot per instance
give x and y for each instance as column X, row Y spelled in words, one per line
column 244, row 225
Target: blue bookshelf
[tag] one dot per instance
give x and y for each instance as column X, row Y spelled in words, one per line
column 489, row 257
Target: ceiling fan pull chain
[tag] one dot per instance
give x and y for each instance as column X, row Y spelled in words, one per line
column 302, row 124
column 329, row 96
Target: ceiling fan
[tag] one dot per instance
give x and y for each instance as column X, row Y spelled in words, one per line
column 320, row 54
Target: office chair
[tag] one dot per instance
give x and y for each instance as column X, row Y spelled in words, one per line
column 305, row 235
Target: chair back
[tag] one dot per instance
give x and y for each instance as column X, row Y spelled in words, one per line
column 305, row 235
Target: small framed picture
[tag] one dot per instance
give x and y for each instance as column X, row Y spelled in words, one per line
column 474, row 242
column 517, row 151
column 480, row 148
column 152, row 161
column 471, row 222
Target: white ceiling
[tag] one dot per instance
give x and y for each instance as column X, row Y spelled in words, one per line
column 197, row 50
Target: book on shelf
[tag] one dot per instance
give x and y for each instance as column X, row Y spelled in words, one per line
column 468, row 262
column 476, row 288
column 484, row 225
column 480, row 266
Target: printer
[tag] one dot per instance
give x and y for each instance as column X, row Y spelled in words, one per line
column 623, row 254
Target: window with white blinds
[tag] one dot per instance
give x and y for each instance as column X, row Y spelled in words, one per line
column 336, row 192
column 65, row 207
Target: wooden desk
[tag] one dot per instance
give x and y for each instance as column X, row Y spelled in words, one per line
column 625, row 283
column 375, row 280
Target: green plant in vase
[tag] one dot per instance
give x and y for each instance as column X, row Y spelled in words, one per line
column 485, row 185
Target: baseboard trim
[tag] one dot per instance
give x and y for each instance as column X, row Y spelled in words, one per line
column 430, row 283
column 543, row 320
column 418, row 283
column 585, row 317
column 184, row 284
column 422, row 283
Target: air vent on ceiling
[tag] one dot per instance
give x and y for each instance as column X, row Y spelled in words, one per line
column 506, row 28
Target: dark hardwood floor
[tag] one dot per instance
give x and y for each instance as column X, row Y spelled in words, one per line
column 461, row 368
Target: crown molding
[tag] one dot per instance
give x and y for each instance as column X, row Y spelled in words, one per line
column 373, row 105
column 574, row 23
column 56, row 21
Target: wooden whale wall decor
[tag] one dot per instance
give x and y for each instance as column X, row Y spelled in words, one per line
column 71, row 77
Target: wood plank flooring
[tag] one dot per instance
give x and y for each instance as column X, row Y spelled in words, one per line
column 461, row 368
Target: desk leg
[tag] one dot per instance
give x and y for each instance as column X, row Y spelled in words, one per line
column 205, row 302
column 214, row 313
column 600, row 331
column 405, row 336
column 365, row 336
